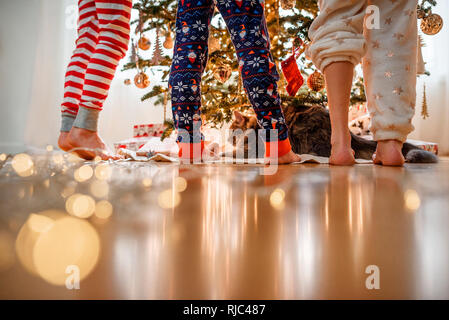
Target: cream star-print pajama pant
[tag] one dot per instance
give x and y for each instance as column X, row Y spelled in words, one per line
column 389, row 54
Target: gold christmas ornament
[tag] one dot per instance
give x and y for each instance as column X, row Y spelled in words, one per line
column 288, row 4
column 144, row 43
column 222, row 72
column 127, row 82
column 141, row 80
column 421, row 14
column 168, row 43
column 432, row 24
column 316, row 81
column 425, row 108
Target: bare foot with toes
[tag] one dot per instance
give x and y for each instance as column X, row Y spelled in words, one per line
column 88, row 144
column 288, row 158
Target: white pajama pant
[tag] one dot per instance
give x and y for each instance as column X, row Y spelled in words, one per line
column 345, row 31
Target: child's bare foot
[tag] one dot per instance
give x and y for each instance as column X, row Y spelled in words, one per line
column 389, row 153
column 342, row 153
column 88, row 144
column 342, row 156
column 285, row 159
column 63, row 143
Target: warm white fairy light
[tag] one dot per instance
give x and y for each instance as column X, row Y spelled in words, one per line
column 103, row 209
column 103, row 171
column 3, row 157
column 169, row 199
column 23, row 164
column 180, row 184
column 147, row 182
column 277, row 199
column 99, row 188
column 83, row 173
column 49, row 148
column 58, row 158
column 412, row 200
column 80, row 205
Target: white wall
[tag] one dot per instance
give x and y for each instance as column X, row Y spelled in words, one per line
column 436, row 55
column 36, row 42
column 18, row 42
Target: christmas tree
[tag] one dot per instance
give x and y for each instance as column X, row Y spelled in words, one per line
column 222, row 91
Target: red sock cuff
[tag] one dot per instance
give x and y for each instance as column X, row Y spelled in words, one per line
column 283, row 147
column 192, row 151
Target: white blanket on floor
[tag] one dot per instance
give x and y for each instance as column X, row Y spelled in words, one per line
column 305, row 158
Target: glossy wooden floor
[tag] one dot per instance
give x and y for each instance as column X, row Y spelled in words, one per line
column 226, row 232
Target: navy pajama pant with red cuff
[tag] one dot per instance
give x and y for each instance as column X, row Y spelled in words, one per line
column 247, row 26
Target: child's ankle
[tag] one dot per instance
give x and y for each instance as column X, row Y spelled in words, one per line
column 277, row 149
column 191, row 152
column 341, row 139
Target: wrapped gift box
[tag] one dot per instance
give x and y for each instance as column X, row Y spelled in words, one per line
column 428, row 146
column 148, row 130
column 141, row 135
column 133, row 144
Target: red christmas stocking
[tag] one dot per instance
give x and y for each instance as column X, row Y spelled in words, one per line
column 292, row 74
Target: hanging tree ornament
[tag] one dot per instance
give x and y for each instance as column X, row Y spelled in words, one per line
column 291, row 71
column 288, row 4
column 168, row 42
column 144, row 43
column 431, row 24
column 316, row 81
column 222, row 72
column 157, row 52
column 424, row 110
column 127, row 82
column 141, row 80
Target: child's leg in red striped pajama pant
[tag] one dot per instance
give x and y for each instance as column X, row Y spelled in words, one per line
column 113, row 38
column 74, row 78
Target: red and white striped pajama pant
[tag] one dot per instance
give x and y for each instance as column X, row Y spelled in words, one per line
column 103, row 36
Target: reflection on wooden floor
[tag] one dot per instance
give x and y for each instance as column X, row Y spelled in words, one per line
column 163, row 231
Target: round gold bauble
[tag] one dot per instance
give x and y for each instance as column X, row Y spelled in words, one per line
column 141, row 80
column 288, row 4
column 432, row 24
column 168, row 43
column 316, row 81
column 222, row 72
column 144, row 43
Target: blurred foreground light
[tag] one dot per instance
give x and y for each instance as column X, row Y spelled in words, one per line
column 103, row 209
column 83, row 173
column 49, row 148
column 99, row 188
column 80, row 205
column 277, row 199
column 7, row 255
column 412, row 200
column 103, row 171
column 169, row 199
column 3, row 157
column 147, row 182
column 59, row 241
column 23, row 164
column 180, row 184
column 57, row 158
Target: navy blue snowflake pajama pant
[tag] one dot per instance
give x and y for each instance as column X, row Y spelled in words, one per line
column 246, row 23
